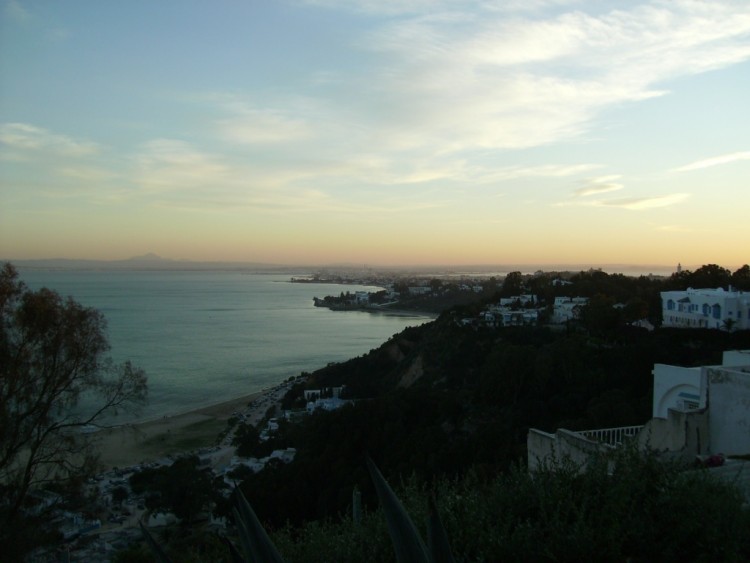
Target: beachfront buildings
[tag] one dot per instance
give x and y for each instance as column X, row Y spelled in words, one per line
column 696, row 412
column 706, row 308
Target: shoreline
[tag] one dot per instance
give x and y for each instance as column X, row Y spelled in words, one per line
column 395, row 312
column 158, row 438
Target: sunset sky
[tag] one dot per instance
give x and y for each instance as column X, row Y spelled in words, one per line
column 384, row 132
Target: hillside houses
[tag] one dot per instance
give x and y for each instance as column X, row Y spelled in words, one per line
column 498, row 316
column 526, row 310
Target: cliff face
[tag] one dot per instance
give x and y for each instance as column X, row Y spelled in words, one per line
column 412, row 373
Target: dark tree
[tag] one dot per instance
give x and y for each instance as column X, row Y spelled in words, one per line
column 246, row 440
column 712, row 276
column 51, row 355
column 119, row 494
column 512, row 284
column 599, row 315
column 741, row 278
column 183, row 488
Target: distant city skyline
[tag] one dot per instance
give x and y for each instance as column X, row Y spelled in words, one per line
column 389, row 133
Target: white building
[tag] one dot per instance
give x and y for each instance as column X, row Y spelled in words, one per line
column 313, row 394
column 567, row 309
column 696, row 412
column 706, row 308
column 676, row 388
column 362, row 297
column 716, row 421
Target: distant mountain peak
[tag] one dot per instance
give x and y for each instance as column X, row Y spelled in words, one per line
column 150, row 257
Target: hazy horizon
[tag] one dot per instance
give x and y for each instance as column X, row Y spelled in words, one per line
column 156, row 262
column 392, row 134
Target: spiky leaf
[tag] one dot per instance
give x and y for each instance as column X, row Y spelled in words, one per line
column 255, row 541
column 437, row 538
column 233, row 551
column 156, row 549
column 407, row 542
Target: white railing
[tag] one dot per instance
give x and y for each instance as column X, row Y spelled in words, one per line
column 611, row 436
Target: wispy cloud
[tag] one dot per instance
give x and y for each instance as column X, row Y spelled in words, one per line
column 714, row 161
column 380, row 7
column 464, row 80
column 166, row 165
column 16, row 12
column 263, row 126
column 447, row 82
column 26, row 137
column 582, row 196
column 638, row 204
column 596, row 186
column 396, row 7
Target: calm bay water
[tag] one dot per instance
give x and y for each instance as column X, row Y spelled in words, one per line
column 206, row 337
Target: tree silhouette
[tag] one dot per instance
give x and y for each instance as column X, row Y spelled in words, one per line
column 51, row 354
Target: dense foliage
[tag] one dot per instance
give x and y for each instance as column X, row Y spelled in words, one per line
column 643, row 511
column 183, row 488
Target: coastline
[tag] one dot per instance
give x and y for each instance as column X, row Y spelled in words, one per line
column 392, row 312
column 155, row 439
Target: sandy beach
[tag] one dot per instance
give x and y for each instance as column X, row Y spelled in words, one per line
column 131, row 444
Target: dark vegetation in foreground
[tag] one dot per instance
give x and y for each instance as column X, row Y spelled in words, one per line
column 643, row 510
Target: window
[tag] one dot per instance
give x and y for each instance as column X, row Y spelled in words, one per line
column 706, row 310
column 670, row 305
column 716, row 310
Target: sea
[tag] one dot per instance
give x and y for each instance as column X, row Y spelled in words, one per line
column 205, row 337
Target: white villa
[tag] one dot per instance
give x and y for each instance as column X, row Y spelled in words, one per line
column 314, row 394
column 706, row 308
column 699, row 411
column 567, row 308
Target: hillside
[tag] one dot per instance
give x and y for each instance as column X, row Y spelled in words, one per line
column 441, row 399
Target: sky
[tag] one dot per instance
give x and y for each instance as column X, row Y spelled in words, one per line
column 379, row 132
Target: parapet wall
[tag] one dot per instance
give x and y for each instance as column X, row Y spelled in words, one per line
column 562, row 445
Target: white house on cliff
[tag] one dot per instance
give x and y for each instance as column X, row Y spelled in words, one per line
column 700, row 411
column 706, row 308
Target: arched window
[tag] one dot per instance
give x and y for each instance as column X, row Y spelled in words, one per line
column 716, row 310
column 670, row 305
column 706, row 310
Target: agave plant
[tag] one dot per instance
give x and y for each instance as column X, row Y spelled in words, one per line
column 407, row 543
